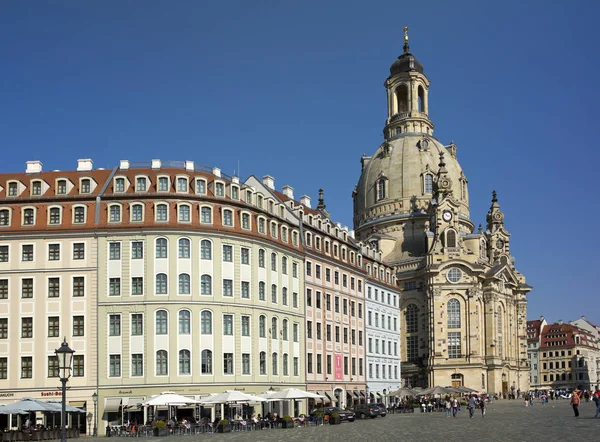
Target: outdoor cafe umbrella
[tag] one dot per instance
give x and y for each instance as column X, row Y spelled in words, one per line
column 463, row 389
column 437, row 390
column 3, row 410
column 27, row 405
column 169, row 398
column 291, row 393
column 232, row 396
column 403, row 392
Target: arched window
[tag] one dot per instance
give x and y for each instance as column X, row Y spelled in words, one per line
column 274, row 328
column 261, row 258
column 206, row 323
column 114, row 213
column 402, row 99
column 206, row 285
column 412, row 319
column 284, row 329
column 263, row 363
column 499, row 320
column 261, row 291
column 184, row 213
column 284, row 296
column 162, row 323
column 381, row 191
column 453, row 313
column 161, row 284
column 227, row 217
column 162, row 363
column 284, row 265
column 450, row 238
column 184, row 248
column 206, row 362
column 499, row 337
column 275, row 364
column 162, row 212
column 137, row 212
column 421, row 103
column 428, row 183
column 262, row 326
column 273, row 293
column 205, row 249
column 483, row 250
column 206, row 215
column 285, row 364
column 184, row 284
column 274, row 262
column 184, row 322
column 184, row 362
column 161, row 248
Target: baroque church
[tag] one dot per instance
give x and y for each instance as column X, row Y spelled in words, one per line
column 463, row 304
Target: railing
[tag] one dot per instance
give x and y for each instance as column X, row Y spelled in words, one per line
column 403, row 115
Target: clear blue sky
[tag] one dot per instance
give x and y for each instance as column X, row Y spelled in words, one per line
column 295, row 90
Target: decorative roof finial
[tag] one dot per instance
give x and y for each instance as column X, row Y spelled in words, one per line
column 321, row 204
column 494, row 197
column 442, row 164
column 406, row 47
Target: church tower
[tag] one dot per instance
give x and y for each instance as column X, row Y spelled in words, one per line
column 463, row 304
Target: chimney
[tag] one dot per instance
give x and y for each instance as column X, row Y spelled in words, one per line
column 305, row 201
column 351, row 234
column 189, row 166
column 216, row 172
column 288, row 191
column 84, row 165
column 560, row 322
column 124, row 165
column 33, row 167
column 235, row 180
column 269, row 181
column 156, row 164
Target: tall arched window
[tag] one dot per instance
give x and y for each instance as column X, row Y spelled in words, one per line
column 274, row 328
column 499, row 337
column 206, row 362
column 161, row 284
column 402, row 99
column 162, row 363
column 262, row 326
column 161, row 248
column 206, row 285
column 421, row 98
column 184, row 322
column 453, row 313
column 284, row 265
column 184, row 284
column 450, row 238
column 428, row 183
column 261, row 258
column 412, row 319
column 380, row 187
column 285, row 364
column 205, row 249
column 206, row 323
column 263, row 363
column 184, row 362
column 184, row 248
column 275, row 365
column 273, row 293
column 274, row 262
column 162, row 324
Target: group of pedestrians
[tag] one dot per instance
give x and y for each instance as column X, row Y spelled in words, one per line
column 474, row 403
column 576, row 400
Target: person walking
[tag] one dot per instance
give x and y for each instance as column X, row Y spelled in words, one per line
column 596, row 400
column 471, row 406
column 448, row 406
column 482, row 406
column 575, row 402
column 454, row 407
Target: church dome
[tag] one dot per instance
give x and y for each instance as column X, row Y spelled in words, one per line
column 397, row 181
column 406, row 63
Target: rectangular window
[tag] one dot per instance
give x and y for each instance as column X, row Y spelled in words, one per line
column 360, row 337
column 78, row 286
column 114, row 325
column 182, row 185
column 54, row 216
column 137, row 212
column 328, row 332
column 200, row 186
column 227, row 363
column 295, row 300
column 328, row 364
column 227, row 287
column 78, row 326
column 27, row 327
column 3, row 328
column 120, row 185
column 228, row 325
column 53, row 252
column 227, row 253
column 137, row 364
column 245, row 363
column 319, row 364
column 114, row 250
column 26, row 367
column 137, row 250
column 245, row 256
column 114, row 287
column 245, row 290
column 27, row 287
column 27, row 252
column 137, row 324
column 137, row 285
column 412, row 348
column 3, row 288
column 245, row 325
column 319, row 327
column 454, row 347
column 3, row 253
column 53, row 326
column 78, row 250
column 3, row 368
column 309, row 363
column 309, row 329
column 114, row 366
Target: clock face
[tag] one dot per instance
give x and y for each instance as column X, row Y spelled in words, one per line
column 447, row 215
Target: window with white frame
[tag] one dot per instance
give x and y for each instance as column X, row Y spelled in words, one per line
column 205, row 249
column 206, row 215
column 184, row 322
column 163, row 184
column 454, row 345
column 453, row 313
column 54, row 216
column 201, row 186
column 184, row 284
column 86, row 186
column 61, row 187
column 427, row 183
column 162, row 322
column 206, row 362
column 162, row 212
column 119, row 185
column 79, row 214
column 141, row 184
column 227, row 217
column 161, row 248
column 137, row 213
column 206, row 322
column 184, row 248
column 162, row 363
column 28, row 217
column 228, row 287
column 206, row 285
column 245, row 221
column 182, row 184
column 227, row 253
column 184, row 213
column 219, row 189
column 161, row 284
column 4, row 217
column 114, row 213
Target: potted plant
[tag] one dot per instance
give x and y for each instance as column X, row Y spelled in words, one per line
column 160, row 428
column 334, row 419
column 224, row 426
column 287, row 422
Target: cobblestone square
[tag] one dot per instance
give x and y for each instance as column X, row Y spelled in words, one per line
column 504, row 421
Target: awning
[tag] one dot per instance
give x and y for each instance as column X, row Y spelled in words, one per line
column 112, row 405
column 327, row 394
column 78, row 404
column 362, row 393
column 133, row 403
column 356, row 394
column 378, row 394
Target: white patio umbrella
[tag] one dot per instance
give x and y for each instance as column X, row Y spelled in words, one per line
column 230, row 397
column 167, row 398
column 291, row 393
column 28, row 404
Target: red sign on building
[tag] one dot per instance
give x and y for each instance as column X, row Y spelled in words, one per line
column 339, row 374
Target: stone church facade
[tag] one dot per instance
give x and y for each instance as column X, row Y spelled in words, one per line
column 463, row 304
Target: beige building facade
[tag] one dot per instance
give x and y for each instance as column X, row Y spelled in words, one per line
column 463, row 305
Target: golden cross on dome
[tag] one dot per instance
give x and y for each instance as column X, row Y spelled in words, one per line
column 405, row 34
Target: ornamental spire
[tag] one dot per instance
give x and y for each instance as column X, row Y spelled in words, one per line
column 406, row 47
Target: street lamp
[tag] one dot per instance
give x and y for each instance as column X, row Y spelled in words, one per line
column 89, row 421
column 64, row 355
column 95, row 399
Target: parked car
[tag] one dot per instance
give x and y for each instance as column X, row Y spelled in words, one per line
column 366, row 410
column 345, row 415
column 382, row 408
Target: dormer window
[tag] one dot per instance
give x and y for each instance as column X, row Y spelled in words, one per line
column 54, row 217
column 206, row 215
column 120, row 185
column 249, row 196
column 259, row 201
column 162, row 212
column 235, row 192
column 137, row 213
column 227, row 218
column 274, row 230
column 4, row 217
column 308, row 239
column 261, row 226
column 141, row 184
column 284, row 234
column 79, row 215
column 61, row 187
column 335, row 250
column 13, row 189
column 182, row 184
column 36, row 188
column 245, row 221
column 318, row 243
column 163, row 184
column 201, row 187
column 219, row 189
column 28, row 217
column 327, row 247
column 295, row 238
column 85, row 185
column 184, row 213
column 114, row 213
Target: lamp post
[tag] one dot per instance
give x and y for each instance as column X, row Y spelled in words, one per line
column 95, row 399
column 64, row 355
column 89, row 421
